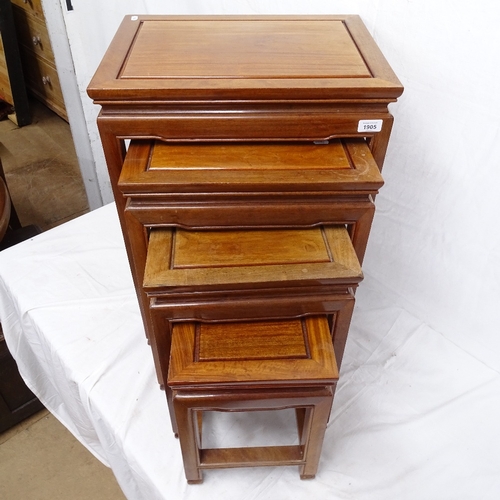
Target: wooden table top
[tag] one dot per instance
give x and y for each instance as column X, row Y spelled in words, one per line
column 251, row 58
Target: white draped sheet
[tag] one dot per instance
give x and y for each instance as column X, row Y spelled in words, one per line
column 414, row 417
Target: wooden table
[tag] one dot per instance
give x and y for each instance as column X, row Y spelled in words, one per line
column 276, row 81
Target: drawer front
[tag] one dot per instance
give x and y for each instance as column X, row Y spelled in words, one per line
column 43, row 81
column 5, row 90
column 33, row 34
column 33, row 7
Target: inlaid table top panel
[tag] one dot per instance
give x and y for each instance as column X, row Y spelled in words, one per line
column 181, row 260
column 249, row 57
column 239, row 48
column 195, row 249
column 233, row 354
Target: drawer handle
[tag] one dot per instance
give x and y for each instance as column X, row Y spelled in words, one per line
column 46, row 80
column 37, row 40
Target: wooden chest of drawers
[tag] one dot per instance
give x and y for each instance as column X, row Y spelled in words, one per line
column 36, row 52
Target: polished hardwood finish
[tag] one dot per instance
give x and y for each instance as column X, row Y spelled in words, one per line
column 249, row 367
column 209, row 185
column 253, row 275
column 248, row 158
column 203, row 249
column 257, row 304
column 228, row 49
column 286, row 128
column 248, row 275
column 260, row 341
column 255, row 185
column 207, row 57
column 337, row 166
column 207, row 260
column 246, row 355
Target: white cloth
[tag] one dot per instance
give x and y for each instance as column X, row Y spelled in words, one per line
column 414, row 416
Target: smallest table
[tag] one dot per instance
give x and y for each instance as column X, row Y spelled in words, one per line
column 269, row 365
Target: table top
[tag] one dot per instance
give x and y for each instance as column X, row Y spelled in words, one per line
column 243, row 57
column 252, row 355
column 259, row 167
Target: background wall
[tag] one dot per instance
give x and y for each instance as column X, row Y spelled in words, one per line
column 435, row 245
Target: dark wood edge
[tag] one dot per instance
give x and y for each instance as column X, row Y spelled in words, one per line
column 371, row 53
column 13, row 62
